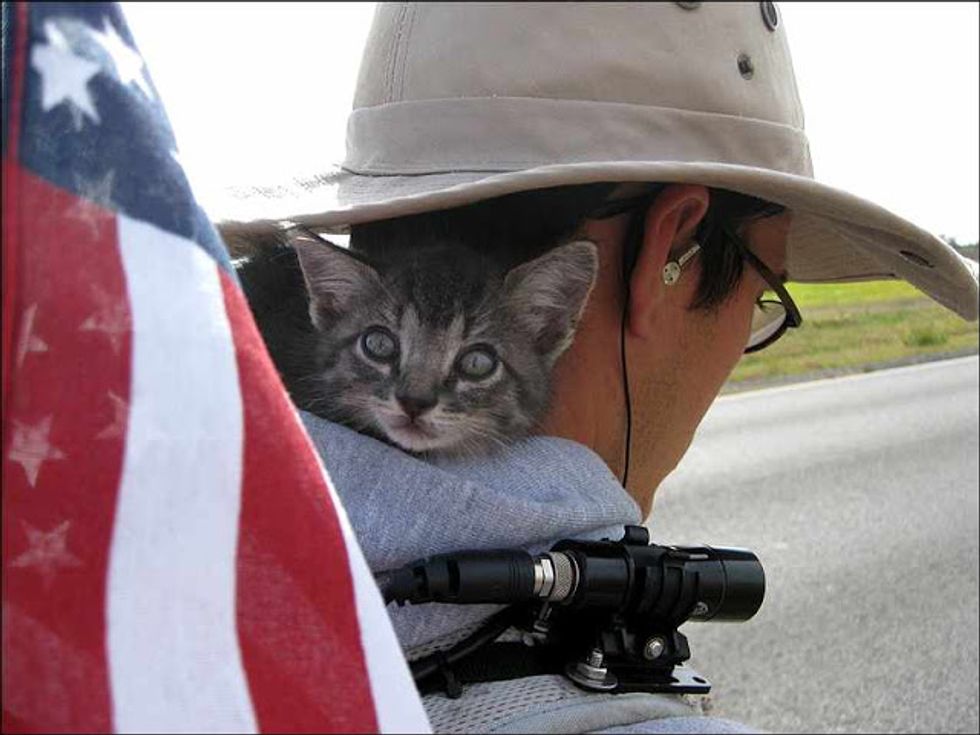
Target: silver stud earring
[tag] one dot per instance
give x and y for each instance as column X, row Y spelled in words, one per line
column 672, row 271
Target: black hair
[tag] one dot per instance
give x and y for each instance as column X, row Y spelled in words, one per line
column 721, row 263
column 518, row 227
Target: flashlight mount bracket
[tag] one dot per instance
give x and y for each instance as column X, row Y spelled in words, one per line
column 631, row 646
column 626, row 660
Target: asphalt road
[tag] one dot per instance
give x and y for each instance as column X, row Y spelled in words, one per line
column 859, row 495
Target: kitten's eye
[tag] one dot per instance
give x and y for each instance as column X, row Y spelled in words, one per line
column 477, row 363
column 379, row 344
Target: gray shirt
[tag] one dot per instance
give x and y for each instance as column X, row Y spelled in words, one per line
column 536, row 492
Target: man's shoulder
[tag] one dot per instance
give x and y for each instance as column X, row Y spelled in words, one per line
column 679, row 725
column 551, row 703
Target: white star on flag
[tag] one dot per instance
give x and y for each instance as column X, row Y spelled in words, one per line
column 31, row 447
column 99, row 194
column 101, row 191
column 112, row 319
column 56, row 36
column 118, row 425
column 64, row 76
column 128, row 63
column 48, row 550
column 29, row 342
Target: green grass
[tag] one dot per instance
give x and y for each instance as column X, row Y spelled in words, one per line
column 856, row 325
column 819, row 295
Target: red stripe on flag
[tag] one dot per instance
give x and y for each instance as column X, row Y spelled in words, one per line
column 11, row 276
column 62, row 462
column 10, row 215
column 297, row 621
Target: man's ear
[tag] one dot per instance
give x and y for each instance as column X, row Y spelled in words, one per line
column 334, row 276
column 548, row 294
column 671, row 221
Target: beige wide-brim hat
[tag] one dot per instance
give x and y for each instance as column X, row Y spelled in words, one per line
column 460, row 102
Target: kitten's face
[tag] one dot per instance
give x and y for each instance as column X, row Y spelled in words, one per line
column 444, row 353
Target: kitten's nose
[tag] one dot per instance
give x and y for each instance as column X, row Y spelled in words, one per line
column 415, row 406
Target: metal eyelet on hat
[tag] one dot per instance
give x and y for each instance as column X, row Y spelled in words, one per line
column 745, row 66
column 915, row 258
column 689, row 5
column 769, row 14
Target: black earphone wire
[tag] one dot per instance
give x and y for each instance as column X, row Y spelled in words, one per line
column 626, row 387
column 637, row 206
column 631, row 246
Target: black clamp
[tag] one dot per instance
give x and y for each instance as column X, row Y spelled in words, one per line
column 450, row 682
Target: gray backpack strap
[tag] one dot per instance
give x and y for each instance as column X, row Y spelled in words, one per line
column 548, row 704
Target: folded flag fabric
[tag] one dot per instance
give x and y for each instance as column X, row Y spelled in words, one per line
column 174, row 557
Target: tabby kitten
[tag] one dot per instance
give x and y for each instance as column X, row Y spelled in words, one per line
column 438, row 351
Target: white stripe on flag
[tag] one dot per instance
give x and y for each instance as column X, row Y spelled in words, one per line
column 396, row 701
column 174, row 658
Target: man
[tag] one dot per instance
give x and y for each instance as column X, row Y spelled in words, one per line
column 670, row 134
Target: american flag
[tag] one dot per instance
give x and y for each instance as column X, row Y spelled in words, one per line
column 174, row 557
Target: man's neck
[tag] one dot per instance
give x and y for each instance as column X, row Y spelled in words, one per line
column 588, row 404
column 588, row 401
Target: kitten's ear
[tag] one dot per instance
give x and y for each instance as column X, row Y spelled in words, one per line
column 334, row 276
column 548, row 294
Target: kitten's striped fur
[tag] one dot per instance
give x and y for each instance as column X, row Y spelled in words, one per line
column 442, row 304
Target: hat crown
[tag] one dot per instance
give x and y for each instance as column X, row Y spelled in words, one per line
column 504, row 86
column 652, row 54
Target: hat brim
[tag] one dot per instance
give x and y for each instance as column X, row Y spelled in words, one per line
column 835, row 236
